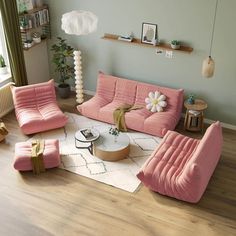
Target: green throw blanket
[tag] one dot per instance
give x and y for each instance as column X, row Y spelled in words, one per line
column 37, row 156
column 119, row 115
column 3, row 129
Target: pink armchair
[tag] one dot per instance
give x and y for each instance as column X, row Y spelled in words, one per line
column 36, row 108
column 181, row 167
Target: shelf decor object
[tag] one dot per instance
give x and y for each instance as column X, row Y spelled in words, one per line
column 137, row 42
column 79, row 23
column 175, row 44
column 149, row 33
column 78, row 77
column 208, row 65
column 35, row 20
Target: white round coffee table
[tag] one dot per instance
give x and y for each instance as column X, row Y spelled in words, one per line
column 86, row 135
column 108, row 150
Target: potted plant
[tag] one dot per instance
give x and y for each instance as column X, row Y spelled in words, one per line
column 62, row 56
column 175, row 44
column 115, row 132
column 3, row 67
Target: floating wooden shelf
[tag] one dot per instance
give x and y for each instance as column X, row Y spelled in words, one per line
column 29, row 12
column 163, row 46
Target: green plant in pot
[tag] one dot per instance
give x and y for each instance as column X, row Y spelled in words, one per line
column 62, row 58
column 175, row 44
column 3, row 67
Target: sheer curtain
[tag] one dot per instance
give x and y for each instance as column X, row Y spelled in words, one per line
column 11, row 27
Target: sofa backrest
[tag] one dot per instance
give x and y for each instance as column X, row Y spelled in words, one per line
column 209, row 149
column 34, row 95
column 133, row 92
column 174, row 97
column 125, row 91
column 106, row 85
column 202, row 164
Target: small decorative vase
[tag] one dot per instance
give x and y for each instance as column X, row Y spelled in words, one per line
column 191, row 100
column 175, row 47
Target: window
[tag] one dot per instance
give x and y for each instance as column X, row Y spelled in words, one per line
column 3, row 51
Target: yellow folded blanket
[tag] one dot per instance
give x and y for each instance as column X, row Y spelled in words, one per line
column 119, row 115
column 37, row 156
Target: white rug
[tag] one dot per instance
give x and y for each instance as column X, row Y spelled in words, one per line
column 120, row 174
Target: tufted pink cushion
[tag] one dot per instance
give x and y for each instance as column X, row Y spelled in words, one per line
column 36, row 108
column 105, row 92
column 51, row 156
column 113, row 92
column 181, row 167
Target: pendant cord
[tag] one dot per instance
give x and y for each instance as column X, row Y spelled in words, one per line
column 213, row 28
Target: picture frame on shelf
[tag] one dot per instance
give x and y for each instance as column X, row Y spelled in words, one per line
column 149, row 33
column 24, row 5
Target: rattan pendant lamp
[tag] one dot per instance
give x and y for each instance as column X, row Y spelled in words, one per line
column 208, row 65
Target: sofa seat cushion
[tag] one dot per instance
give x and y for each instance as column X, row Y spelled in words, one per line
column 106, row 112
column 135, row 119
column 36, row 108
column 180, row 166
column 22, row 159
column 159, row 123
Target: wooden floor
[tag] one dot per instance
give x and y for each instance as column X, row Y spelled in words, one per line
column 62, row 203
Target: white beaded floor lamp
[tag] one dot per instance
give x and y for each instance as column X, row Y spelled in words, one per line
column 79, row 23
column 78, row 77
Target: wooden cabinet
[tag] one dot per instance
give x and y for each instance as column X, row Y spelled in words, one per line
column 34, row 26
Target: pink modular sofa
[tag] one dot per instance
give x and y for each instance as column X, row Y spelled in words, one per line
column 181, row 167
column 36, row 108
column 112, row 92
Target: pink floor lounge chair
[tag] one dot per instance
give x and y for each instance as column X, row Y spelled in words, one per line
column 181, row 167
column 36, row 108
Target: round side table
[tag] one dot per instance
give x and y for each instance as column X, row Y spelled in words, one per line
column 107, row 149
column 194, row 118
column 87, row 136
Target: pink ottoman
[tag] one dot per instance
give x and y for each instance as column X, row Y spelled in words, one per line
column 51, row 156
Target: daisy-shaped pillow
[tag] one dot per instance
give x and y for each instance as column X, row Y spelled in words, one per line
column 155, row 101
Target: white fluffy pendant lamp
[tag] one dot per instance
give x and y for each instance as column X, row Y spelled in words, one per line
column 208, row 65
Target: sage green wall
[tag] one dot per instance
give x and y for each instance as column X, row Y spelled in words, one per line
column 189, row 21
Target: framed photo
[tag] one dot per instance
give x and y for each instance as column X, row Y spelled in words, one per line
column 149, row 33
column 24, row 5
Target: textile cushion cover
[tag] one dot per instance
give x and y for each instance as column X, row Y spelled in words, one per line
column 113, row 92
column 181, row 167
column 36, row 108
column 51, row 156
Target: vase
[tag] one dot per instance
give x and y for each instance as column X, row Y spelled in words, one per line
column 191, row 101
column 115, row 138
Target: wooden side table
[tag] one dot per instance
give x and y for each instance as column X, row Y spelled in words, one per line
column 194, row 118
